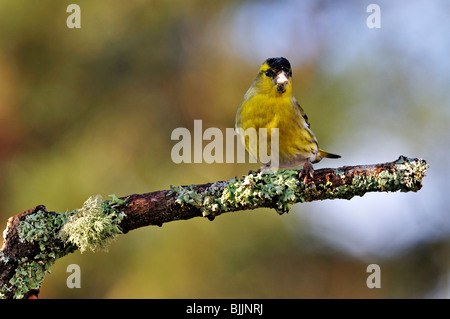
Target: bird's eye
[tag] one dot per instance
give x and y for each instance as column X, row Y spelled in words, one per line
column 269, row 73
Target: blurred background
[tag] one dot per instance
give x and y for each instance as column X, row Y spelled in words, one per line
column 90, row 111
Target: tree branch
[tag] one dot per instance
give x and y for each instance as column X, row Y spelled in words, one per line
column 34, row 239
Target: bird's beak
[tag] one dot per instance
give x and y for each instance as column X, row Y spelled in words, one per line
column 281, row 78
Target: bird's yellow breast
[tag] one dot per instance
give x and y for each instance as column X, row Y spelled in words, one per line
column 296, row 141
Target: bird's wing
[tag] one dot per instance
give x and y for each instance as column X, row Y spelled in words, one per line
column 302, row 112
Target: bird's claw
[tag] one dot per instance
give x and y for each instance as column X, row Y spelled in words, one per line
column 307, row 171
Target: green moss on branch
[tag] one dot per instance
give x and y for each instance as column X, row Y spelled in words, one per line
column 35, row 238
column 51, row 236
column 282, row 189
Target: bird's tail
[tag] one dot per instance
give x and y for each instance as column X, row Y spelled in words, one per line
column 323, row 154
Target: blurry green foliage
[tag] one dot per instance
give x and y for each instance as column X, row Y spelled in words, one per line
column 90, row 110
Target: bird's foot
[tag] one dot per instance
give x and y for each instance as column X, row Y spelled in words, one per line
column 307, row 171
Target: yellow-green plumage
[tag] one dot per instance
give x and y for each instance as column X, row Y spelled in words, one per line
column 269, row 103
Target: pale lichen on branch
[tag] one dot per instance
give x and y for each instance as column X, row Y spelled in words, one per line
column 93, row 226
column 282, row 189
column 53, row 235
column 34, row 239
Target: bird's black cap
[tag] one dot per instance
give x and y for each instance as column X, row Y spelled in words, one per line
column 279, row 64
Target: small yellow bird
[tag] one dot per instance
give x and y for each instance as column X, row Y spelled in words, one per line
column 269, row 104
